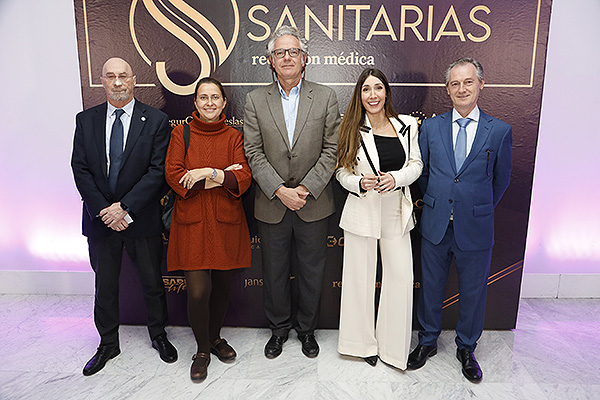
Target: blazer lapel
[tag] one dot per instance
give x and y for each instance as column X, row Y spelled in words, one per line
column 99, row 124
column 481, row 136
column 274, row 103
column 403, row 132
column 446, row 136
column 138, row 119
column 304, row 104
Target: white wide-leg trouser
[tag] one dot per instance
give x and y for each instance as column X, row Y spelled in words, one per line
column 390, row 336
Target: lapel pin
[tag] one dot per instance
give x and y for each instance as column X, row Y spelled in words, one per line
column 143, row 119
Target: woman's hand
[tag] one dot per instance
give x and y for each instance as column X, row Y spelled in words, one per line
column 368, row 181
column 189, row 179
column 385, row 182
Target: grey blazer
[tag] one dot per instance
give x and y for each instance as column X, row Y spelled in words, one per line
column 311, row 159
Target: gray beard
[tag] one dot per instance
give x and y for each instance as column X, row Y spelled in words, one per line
column 120, row 96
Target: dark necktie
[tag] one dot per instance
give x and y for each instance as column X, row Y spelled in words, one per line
column 460, row 150
column 116, row 150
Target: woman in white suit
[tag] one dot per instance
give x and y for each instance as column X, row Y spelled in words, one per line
column 378, row 157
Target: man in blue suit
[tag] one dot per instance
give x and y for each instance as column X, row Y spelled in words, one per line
column 467, row 163
column 118, row 164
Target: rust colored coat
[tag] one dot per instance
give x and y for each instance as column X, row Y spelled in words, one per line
column 208, row 228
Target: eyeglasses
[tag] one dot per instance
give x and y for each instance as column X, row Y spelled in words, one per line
column 204, row 98
column 121, row 77
column 293, row 52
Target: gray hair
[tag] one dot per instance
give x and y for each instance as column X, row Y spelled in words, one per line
column 462, row 61
column 286, row 30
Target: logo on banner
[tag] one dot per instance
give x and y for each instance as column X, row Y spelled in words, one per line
column 193, row 29
column 174, row 283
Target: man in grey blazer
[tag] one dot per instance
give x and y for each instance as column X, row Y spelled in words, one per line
column 290, row 139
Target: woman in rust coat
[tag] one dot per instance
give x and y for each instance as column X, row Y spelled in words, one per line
column 209, row 236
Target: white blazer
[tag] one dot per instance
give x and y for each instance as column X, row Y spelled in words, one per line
column 362, row 211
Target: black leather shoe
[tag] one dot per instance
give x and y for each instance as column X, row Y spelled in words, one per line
column 167, row 352
column 310, row 347
column 274, row 346
column 371, row 360
column 418, row 357
column 470, row 366
column 98, row 361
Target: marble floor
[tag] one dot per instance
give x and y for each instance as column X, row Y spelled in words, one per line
column 553, row 354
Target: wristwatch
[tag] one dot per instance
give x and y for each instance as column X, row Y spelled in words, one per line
column 213, row 174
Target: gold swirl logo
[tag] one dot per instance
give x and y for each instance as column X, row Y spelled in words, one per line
column 168, row 15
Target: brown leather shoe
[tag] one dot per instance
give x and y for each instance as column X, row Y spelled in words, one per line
column 199, row 369
column 223, row 350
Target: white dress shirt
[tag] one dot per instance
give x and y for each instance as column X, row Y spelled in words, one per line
column 110, row 119
column 126, row 121
column 290, row 109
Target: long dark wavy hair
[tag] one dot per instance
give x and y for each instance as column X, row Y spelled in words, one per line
column 354, row 118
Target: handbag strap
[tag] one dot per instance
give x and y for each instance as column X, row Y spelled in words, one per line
column 403, row 131
column 186, row 137
column 362, row 143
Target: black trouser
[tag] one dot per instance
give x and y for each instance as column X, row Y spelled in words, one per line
column 276, row 249
column 105, row 258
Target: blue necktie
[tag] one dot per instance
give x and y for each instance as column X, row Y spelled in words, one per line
column 116, row 150
column 460, row 150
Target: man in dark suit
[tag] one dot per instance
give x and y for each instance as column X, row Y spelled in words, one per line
column 290, row 138
column 118, row 163
column 467, row 162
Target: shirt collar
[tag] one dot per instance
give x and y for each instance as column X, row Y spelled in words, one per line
column 474, row 114
column 294, row 92
column 128, row 108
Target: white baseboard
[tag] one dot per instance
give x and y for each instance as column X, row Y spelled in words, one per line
column 82, row 283
column 47, row 282
column 567, row 286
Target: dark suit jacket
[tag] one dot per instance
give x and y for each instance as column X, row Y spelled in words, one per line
column 141, row 180
column 472, row 193
column 309, row 162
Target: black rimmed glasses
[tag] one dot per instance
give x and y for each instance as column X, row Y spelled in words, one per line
column 293, row 52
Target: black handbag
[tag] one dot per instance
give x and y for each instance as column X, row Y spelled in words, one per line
column 168, row 200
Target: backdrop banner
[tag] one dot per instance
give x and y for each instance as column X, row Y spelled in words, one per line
column 172, row 44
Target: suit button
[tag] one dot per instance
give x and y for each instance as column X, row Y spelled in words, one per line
column 292, row 179
column 456, row 180
column 450, row 201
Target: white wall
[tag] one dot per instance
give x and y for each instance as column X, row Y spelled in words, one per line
column 563, row 243
column 40, row 208
column 40, row 215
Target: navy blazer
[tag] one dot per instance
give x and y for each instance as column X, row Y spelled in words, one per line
column 141, row 180
column 471, row 193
